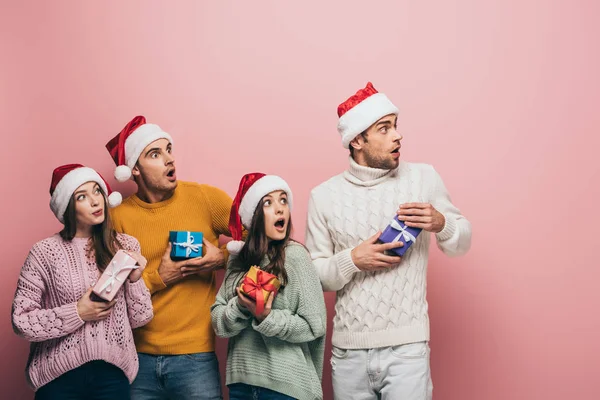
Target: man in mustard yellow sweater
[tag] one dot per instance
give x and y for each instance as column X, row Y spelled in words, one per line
column 176, row 349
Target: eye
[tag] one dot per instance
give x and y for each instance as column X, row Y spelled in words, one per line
column 97, row 191
column 383, row 129
column 80, row 197
column 169, row 150
column 267, row 203
column 154, row 154
column 283, row 200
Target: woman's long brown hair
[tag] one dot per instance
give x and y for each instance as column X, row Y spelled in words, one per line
column 104, row 243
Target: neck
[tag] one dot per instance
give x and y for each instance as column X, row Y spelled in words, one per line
column 365, row 174
column 83, row 231
column 150, row 196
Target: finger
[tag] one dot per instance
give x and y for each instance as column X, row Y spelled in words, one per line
column 103, row 314
column 373, row 239
column 270, row 301
column 413, row 211
column 168, row 251
column 414, row 205
column 196, row 261
column 418, row 225
column 389, row 260
column 207, row 243
column 388, row 246
column 419, row 219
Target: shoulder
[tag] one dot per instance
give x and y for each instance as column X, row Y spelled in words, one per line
column 128, row 242
column 48, row 244
column 126, row 206
column 202, row 190
column 296, row 252
column 44, row 247
column 322, row 191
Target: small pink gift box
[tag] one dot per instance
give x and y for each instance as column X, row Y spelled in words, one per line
column 114, row 275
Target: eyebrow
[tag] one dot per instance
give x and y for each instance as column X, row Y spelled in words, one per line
column 83, row 190
column 152, row 149
column 384, row 123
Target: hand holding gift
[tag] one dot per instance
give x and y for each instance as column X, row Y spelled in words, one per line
column 258, row 289
column 421, row 216
column 250, row 305
column 114, row 276
column 370, row 256
column 398, row 232
column 136, row 274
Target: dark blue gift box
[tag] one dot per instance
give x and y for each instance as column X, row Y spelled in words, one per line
column 396, row 231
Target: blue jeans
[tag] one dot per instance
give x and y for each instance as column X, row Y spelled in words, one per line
column 241, row 391
column 180, row 377
column 95, row 380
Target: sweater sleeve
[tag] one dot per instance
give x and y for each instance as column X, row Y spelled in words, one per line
column 137, row 295
column 29, row 319
column 308, row 321
column 229, row 318
column 455, row 238
column 334, row 270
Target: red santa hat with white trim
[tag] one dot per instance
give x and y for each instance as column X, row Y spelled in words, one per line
column 65, row 181
column 127, row 146
column 362, row 110
column 253, row 187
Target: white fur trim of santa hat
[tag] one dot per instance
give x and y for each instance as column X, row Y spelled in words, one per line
column 258, row 190
column 70, row 182
column 135, row 143
column 356, row 120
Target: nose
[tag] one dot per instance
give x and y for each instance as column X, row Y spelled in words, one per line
column 397, row 135
column 169, row 159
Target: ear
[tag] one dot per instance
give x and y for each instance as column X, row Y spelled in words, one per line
column 358, row 142
column 135, row 171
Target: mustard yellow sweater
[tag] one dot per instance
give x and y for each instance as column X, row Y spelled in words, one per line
column 182, row 322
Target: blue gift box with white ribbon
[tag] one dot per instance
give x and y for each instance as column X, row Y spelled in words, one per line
column 396, row 231
column 185, row 244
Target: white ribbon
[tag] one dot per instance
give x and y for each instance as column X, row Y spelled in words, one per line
column 189, row 246
column 406, row 235
column 114, row 275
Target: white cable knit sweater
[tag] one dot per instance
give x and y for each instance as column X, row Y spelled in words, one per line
column 385, row 308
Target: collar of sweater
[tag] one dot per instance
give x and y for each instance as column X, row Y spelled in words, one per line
column 366, row 176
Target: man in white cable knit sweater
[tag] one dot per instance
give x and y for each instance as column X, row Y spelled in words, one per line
column 381, row 326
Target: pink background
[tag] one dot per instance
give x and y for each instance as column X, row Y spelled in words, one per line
column 502, row 97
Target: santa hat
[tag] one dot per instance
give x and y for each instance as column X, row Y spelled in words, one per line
column 361, row 111
column 253, row 187
column 126, row 147
column 67, row 178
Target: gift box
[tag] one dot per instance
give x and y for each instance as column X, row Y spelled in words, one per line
column 396, row 231
column 185, row 244
column 259, row 286
column 114, row 276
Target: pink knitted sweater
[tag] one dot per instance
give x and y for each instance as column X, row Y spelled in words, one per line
column 54, row 277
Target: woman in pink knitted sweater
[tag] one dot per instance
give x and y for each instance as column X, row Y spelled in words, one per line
column 81, row 349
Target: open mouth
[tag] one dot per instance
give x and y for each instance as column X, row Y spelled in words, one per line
column 98, row 213
column 171, row 174
column 396, row 150
column 280, row 224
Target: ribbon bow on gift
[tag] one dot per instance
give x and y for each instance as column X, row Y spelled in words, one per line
column 406, row 235
column 254, row 289
column 189, row 245
column 113, row 275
